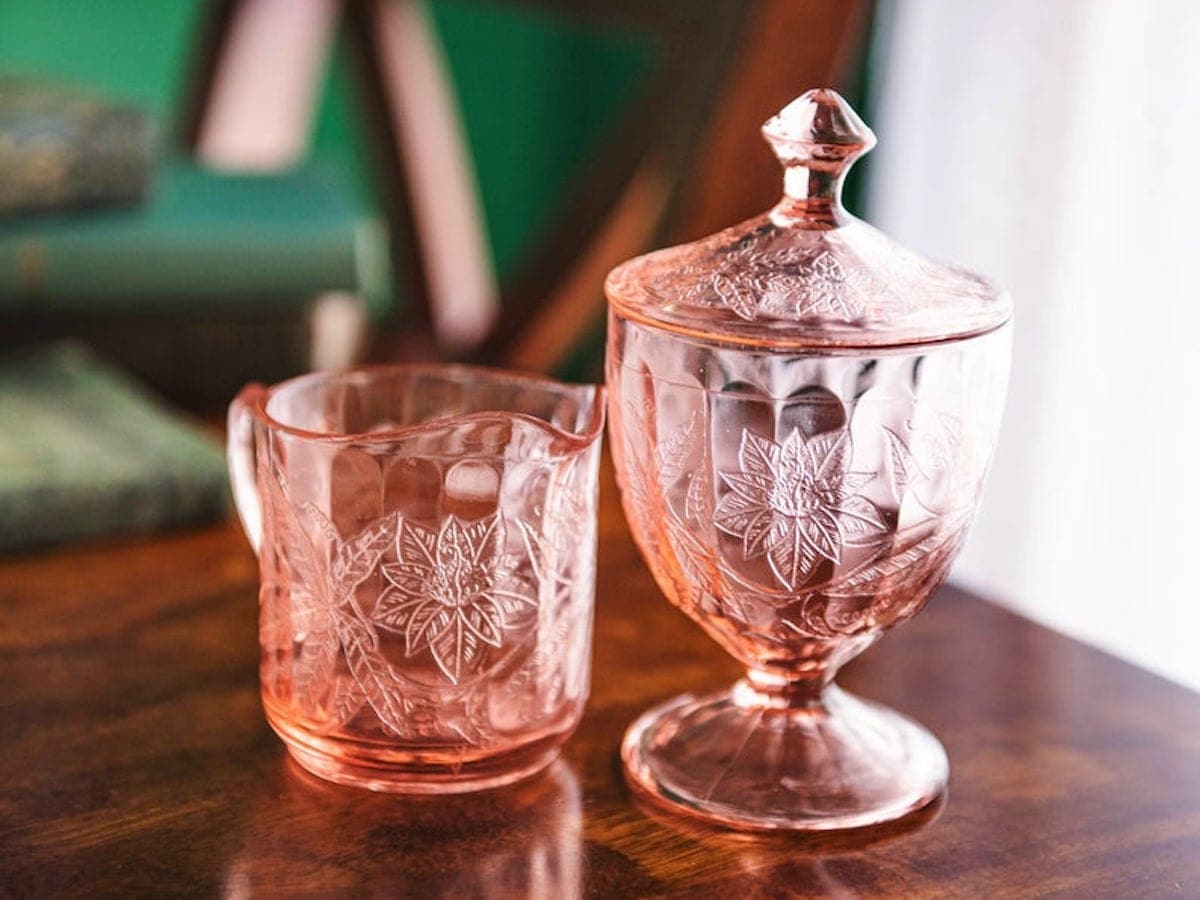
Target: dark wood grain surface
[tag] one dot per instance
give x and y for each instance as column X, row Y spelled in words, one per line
column 134, row 759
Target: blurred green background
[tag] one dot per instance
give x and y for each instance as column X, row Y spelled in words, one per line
column 536, row 90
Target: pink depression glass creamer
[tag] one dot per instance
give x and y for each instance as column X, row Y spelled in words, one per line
column 802, row 416
column 427, row 543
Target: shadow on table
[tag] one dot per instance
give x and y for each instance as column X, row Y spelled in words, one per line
column 305, row 836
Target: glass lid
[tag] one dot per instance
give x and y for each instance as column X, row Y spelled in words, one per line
column 807, row 273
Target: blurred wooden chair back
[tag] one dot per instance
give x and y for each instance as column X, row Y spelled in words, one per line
column 682, row 159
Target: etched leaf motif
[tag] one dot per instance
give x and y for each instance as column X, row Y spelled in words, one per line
column 861, row 522
column 744, row 515
column 313, row 666
column 636, row 482
column 348, row 698
column 817, row 615
column 542, row 552
column 697, row 564
column 323, row 619
column 417, row 545
column 760, row 457
column 417, row 619
column 309, row 587
column 630, row 444
column 328, row 532
column 900, row 570
column 740, row 293
column 355, row 559
column 937, row 447
column 538, row 560
column 672, row 453
column 795, row 503
column 302, row 626
column 372, row 673
column 847, row 615
column 698, row 502
column 738, row 606
column 821, row 532
column 455, row 649
column 485, row 623
column 468, row 718
column 825, row 455
column 900, row 460
column 829, row 287
column 792, row 558
column 931, row 450
column 852, row 481
column 754, row 281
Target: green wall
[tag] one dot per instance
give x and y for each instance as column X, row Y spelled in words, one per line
column 133, row 49
column 536, row 91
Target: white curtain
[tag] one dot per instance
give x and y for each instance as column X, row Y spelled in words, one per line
column 1054, row 145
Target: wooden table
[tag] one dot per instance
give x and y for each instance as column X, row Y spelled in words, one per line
column 134, row 759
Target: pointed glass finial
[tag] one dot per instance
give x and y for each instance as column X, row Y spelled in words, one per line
column 817, row 137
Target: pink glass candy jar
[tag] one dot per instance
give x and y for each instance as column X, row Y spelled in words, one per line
column 802, row 416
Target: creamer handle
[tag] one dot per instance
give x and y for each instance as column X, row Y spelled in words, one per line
column 240, row 452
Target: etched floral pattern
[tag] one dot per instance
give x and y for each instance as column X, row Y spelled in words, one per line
column 738, row 279
column 839, row 563
column 823, row 285
column 456, row 596
column 796, row 503
column 453, row 592
column 789, row 282
column 322, row 617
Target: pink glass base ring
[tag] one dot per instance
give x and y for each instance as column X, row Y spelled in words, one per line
column 438, row 780
column 839, row 762
column 380, row 767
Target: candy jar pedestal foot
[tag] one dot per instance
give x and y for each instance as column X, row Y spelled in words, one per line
column 750, row 758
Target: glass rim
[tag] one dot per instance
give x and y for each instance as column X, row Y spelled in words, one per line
column 255, row 397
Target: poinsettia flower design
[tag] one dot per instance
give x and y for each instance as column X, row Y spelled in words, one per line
column 796, row 503
column 453, row 592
